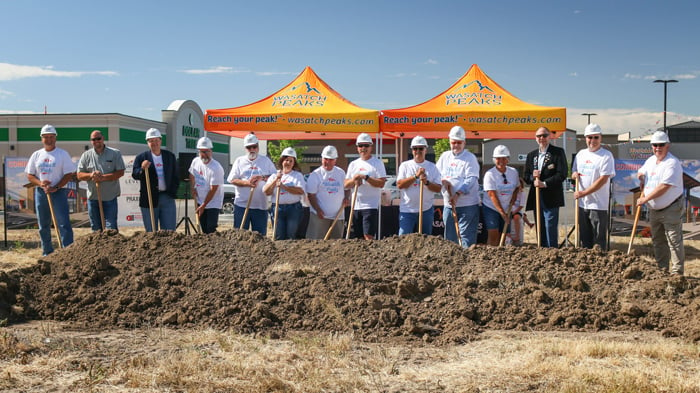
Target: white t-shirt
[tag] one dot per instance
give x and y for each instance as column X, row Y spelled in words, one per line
column 291, row 179
column 493, row 181
column 459, row 170
column 668, row 171
column 329, row 191
column 243, row 168
column 50, row 165
column 205, row 176
column 368, row 196
column 410, row 197
column 160, row 171
column 590, row 166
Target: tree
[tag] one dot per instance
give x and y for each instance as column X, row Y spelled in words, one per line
column 274, row 149
column 441, row 146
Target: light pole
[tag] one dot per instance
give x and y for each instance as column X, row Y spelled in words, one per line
column 665, row 82
column 589, row 116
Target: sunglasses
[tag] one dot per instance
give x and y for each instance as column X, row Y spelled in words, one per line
column 658, row 144
column 418, row 148
column 505, row 180
column 251, row 147
column 95, row 139
column 542, row 136
column 364, row 145
column 593, row 137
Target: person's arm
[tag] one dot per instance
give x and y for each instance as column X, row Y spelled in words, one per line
column 313, row 201
column 655, row 193
column 597, row 184
column 493, row 194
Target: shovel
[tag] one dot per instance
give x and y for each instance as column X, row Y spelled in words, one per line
column 340, row 211
column 455, row 219
column 634, row 226
column 352, row 210
column 247, row 208
column 507, row 220
column 576, row 215
column 420, row 210
column 150, row 201
column 53, row 219
column 277, row 211
column 99, row 203
column 538, row 209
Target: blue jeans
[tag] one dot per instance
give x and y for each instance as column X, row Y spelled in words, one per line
column 289, row 217
column 209, row 220
column 110, row 211
column 468, row 221
column 165, row 214
column 59, row 200
column 549, row 234
column 408, row 222
column 257, row 218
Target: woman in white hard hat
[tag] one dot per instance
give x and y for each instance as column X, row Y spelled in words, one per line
column 502, row 185
column 291, row 190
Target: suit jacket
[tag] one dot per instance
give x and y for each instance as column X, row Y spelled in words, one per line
column 172, row 179
column 553, row 172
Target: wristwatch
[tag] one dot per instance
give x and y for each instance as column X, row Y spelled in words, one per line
column 366, row 177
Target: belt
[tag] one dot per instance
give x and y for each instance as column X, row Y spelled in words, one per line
column 672, row 203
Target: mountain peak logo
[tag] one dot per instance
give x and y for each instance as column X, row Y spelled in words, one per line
column 473, row 93
column 303, row 94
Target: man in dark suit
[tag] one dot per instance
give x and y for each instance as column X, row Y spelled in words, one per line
column 164, row 179
column 546, row 168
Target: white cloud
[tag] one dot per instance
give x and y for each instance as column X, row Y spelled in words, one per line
column 632, row 76
column 574, row 74
column 5, row 93
column 431, row 61
column 403, row 75
column 215, row 70
column 638, row 121
column 577, row 11
column 14, row 112
column 13, row 71
column 685, row 76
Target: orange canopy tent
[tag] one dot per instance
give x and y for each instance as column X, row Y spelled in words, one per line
column 307, row 108
column 478, row 104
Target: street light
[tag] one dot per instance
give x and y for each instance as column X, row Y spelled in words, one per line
column 589, row 116
column 665, row 82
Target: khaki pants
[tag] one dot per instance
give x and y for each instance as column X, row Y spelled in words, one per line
column 667, row 236
column 318, row 228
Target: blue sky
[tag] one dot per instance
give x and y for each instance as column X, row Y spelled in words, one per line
column 135, row 57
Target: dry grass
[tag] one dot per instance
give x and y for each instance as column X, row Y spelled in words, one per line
column 150, row 360
column 49, row 356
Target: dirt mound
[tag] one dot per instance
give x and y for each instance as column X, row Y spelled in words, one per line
column 405, row 287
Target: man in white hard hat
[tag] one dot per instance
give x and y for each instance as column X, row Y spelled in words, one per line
column 594, row 166
column 101, row 165
column 459, row 172
column 206, row 182
column 661, row 179
column 50, row 169
column 546, row 168
column 162, row 169
column 290, row 183
column 327, row 197
column 414, row 174
column 369, row 175
column 501, row 185
column 248, row 174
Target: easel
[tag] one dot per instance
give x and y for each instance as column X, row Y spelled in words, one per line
column 186, row 219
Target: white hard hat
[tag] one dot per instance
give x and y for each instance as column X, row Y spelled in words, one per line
column 592, row 129
column 250, row 140
column 48, row 130
column 457, row 133
column 501, row 151
column 364, row 138
column 329, row 152
column 289, row 152
column 419, row 141
column 153, row 133
column 204, row 143
column 660, row 137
